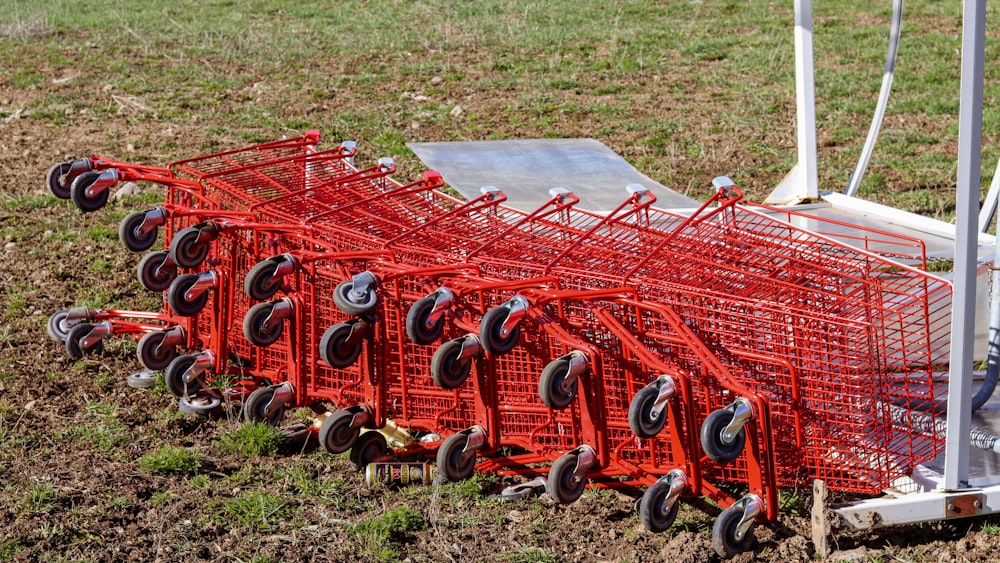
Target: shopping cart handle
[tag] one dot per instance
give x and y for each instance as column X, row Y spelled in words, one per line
column 559, row 192
column 636, row 189
column 723, row 182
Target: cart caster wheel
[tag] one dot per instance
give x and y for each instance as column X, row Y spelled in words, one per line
column 261, row 283
column 128, row 232
column 199, row 406
column 56, row 179
column 357, row 305
column 186, row 250
column 655, row 516
column 254, row 328
column 641, row 418
column 447, row 371
column 255, row 405
column 336, row 347
column 453, row 462
column 56, row 327
column 489, row 332
column 74, row 342
column 141, row 380
column 555, row 391
column 177, row 296
column 78, row 193
column 152, row 353
column 416, row 322
column 369, row 447
column 336, row 433
column 726, row 537
column 173, row 377
column 715, row 445
column 563, row 485
column 155, row 271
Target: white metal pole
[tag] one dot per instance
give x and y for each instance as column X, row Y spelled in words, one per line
column 970, row 136
column 805, row 100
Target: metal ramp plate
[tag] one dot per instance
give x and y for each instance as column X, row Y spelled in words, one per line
column 526, row 169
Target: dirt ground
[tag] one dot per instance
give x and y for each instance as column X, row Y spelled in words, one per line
column 72, row 432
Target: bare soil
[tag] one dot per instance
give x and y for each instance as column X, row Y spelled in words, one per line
column 72, row 489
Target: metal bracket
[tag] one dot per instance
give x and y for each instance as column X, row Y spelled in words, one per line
column 362, row 283
column 578, row 365
column 152, row 219
column 287, row 265
column 206, row 281
column 753, row 506
column 666, row 388
column 100, row 331
column 586, row 458
column 172, row 337
column 677, row 481
column 964, row 505
column 516, row 309
column 491, row 191
column 742, row 412
column 104, row 181
column 443, row 300
column 284, row 393
column 475, row 440
column 351, row 147
column 75, row 316
column 362, row 416
column 282, row 309
column 202, row 363
column 471, row 347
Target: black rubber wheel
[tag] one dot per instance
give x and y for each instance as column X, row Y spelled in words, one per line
column 651, row 510
column 173, row 377
column 127, row 232
column 711, row 437
column 449, row 463
column 260, row 283
column 253, row 325
column 562, row 485
column 176, row 296
column 56, row 327
column 74, row 341
column 56, row 179
column 724, row 538
column 367, row 448
column 552, row 386
column 186, row 250
column 489, row 332
column 416, row 322
column 446, row 371
column 336, row 349
column 254, row 405
column 78, row 193
column 152, row 273
column 151, row 352
column 336, row 433
column 640, row 417
column 342, row 297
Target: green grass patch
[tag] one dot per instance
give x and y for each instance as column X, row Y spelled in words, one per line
column 251, row 440
column 171, row 460
column 258, row 510
column 379, row 538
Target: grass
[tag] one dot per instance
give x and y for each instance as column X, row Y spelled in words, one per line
column 378, row 538
column 171, row 460
column 251, row 440
column 213, row 53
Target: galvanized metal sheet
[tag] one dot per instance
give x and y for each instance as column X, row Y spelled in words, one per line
column 526, row 169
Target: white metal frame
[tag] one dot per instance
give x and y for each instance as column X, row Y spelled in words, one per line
column 947, row 495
